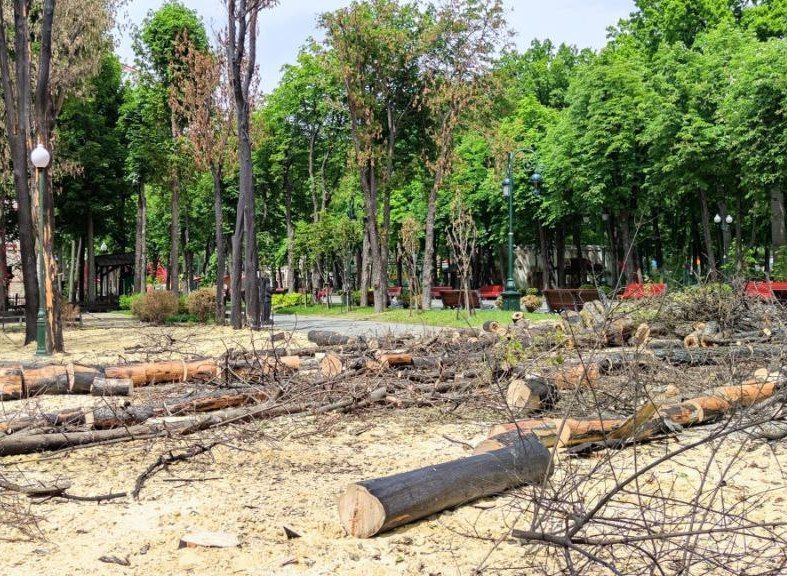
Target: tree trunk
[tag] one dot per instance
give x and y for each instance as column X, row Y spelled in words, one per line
column 220, row 254
column 429, row 245
column 173, row 271
column 188, row 255
column 91, row 260
column 628, row 246
column 777, row 216
column 374, row 506
column 545, row 275
column 708, row 235
column 72, row 263
column 246, row 187
column 140, row 245
column 236, row 277
column 365, row 267
column 290, row 282
column 560, row 248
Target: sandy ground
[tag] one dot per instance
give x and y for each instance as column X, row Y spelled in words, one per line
column 289, row 472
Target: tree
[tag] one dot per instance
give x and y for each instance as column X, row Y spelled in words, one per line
column 243, row 16
column 159, row 51
column 462, row 45
column 377, row 46
column 205, row 104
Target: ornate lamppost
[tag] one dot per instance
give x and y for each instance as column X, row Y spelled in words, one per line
column 40, row 158
column 511, row 295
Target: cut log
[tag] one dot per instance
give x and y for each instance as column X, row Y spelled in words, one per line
column 550, row 432
column 11, row 384
column 81, row 378
column 45, row 380
column 391, row 360
column 164, row 372
column 112, row 387
column 328, row 338
column 331, row 365
column 375, row 506
column 531, row 393
column 573, row 376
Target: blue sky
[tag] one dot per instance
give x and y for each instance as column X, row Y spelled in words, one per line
column 285, row 28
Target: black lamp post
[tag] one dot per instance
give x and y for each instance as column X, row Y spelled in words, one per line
column 724, row 223
column 40, row 158
column 511, row 295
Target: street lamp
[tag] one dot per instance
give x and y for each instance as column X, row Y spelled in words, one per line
column 40, row 158
column 511, row 295
column 725, row 228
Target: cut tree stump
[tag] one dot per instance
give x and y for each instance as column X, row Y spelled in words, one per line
column 531, row 393
column 374, row 506
column 11, row 386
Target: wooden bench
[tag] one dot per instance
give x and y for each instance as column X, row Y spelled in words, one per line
column 574, row 299
column 640, row 291
column 490, row 292
column 767, row 290
column 437, row 291
column 456, row 299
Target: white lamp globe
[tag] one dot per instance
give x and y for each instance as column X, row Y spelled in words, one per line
column 40, row 157
column 717, row 219
column 728, row 219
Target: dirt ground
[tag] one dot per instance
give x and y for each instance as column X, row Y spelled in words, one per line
column 289, row 472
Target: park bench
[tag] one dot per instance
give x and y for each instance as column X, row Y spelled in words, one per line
column 574, row 299
column 395, row 292
column 437, row 291
column 767, row 290
column 637, row 291
column 323, row 295
column 456, row 299
column 490, row 291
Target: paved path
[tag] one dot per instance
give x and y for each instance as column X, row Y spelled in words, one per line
column 350, row 327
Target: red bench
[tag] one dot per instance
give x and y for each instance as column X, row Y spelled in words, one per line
column 456, row 299
column 640, row 291
column 395, row 292
column 560, row 299
column 490, row 291
column 322, row 295
column 766, row 290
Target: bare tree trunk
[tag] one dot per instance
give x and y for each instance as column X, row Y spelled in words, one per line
column 365, row 268
column 236, row 276
column 72, row 262
column 777, row 216
column 91, row 260
column 560, row 248
column 140, row 241
column 707, row 234
column 220, row 253
column 429, row 247
column 188, row 255
column 4, row 259
column 545, row 275
column 174, row 236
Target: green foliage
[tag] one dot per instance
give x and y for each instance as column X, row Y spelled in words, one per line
column 155, row 307
column 779, row 264
column 126, row 301
column 288, row 300
column 202, row 304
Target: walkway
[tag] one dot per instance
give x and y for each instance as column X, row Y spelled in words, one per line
column 351, row 327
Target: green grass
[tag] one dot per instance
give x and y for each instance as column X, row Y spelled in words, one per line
column 398, row 315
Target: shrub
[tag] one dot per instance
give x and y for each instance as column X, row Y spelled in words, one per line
column 127, row 300
column 202, row 304
column 288, row 300
column 155, row 307
column 531, row 303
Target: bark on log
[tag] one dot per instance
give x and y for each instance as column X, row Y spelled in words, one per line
column 112, row 387
column 45, row 380
column 328, row 338
column 81, row 378
column 374, row 506
column 391, row 360
column 164, row 372
column 11, row 384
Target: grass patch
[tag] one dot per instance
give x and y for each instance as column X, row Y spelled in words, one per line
column 423, row 317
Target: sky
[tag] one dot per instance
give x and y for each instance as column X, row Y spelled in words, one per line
column 285, row 28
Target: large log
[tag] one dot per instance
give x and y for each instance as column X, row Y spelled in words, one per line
column 81, row 378
column 328, row 338
column 374, row 506
column 164, row 372
column 531, row 393
column 11, row 384
column 112, row 386
column 51, row 379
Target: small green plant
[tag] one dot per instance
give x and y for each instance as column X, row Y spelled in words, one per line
column 288, row 300
column 127, row 300
column 155, row 307
column 202, row 304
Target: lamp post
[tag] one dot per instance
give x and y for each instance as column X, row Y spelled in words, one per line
column 511, row 295
column 40, row 158
column 724, row 223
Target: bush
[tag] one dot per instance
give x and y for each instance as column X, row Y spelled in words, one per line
column 155, row 307
column 202, row 304
column 127, row 300
column 288, row 300
column 531, row 303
